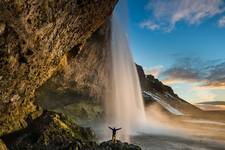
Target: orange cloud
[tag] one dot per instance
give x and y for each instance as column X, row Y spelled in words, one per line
column 155, row 71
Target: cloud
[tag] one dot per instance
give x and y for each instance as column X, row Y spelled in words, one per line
column 172, row 81
column 204, row 95
column 165, row 14
column 209, row 74
column 221, row 22
column 149, row 25
column 178, row 73
column 208, row 87
column 155, row 71
column 216, row 76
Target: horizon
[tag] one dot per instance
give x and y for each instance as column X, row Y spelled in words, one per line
column 181, row 44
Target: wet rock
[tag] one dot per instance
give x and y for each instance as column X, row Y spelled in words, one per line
column 118, row 146
column 50, row 131
column 2, row 27
column 55, row 131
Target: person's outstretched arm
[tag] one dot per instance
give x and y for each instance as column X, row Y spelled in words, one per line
column 110, row 128
column 118, row 129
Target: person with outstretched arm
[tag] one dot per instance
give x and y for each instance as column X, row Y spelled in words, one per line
column 114, row 130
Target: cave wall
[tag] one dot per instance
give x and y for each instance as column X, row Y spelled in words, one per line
column 83, row 77
column 34, row 37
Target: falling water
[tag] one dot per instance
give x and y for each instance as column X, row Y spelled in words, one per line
column 124, row 106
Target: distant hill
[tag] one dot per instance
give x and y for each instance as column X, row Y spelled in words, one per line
column 154, row 91
column 212, row 105
column 213, row 102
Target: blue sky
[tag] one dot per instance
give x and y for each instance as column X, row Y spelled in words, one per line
column 181, row 42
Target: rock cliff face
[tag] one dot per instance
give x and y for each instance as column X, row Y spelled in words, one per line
column 79, row 87
column 82, row 75
column 149, row 82
column 35, row 36
column 164, row 95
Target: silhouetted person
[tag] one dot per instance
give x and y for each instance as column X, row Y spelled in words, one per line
column 114, row 134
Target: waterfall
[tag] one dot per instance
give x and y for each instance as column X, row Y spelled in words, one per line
column 124, row 104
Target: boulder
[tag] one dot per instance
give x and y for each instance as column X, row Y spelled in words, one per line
column 117, row 146
column 55, row 131
column 50, row 131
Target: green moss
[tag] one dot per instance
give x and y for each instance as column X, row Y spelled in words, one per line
column 82, row 111
column 68, row 126
column 50, row 130
column 1, row 132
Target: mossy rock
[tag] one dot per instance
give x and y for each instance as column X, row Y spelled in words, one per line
column 2, row 145
column 55, row 131
column 50, row 131
column 118, row 146
column 83, row 111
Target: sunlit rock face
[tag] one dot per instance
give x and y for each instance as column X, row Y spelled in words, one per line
column 2, row 145
column 34, row 37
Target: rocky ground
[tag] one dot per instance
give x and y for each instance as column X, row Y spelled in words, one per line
column 118, row 146
column 50, row 131
column 56, row 131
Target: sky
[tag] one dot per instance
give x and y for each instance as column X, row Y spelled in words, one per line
column 181, row 42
